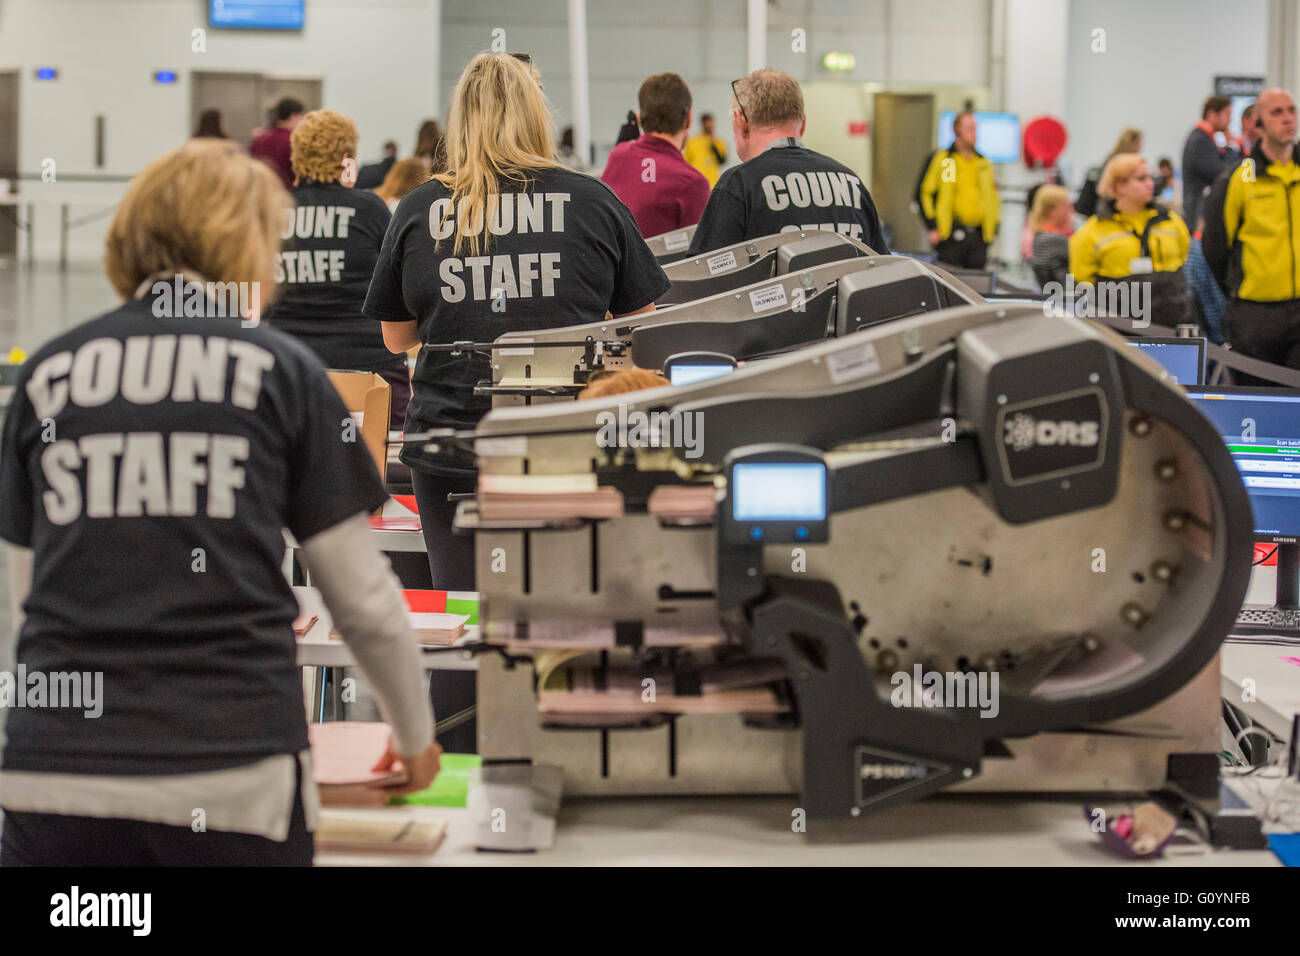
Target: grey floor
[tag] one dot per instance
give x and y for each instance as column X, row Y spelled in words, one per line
column 35, row 306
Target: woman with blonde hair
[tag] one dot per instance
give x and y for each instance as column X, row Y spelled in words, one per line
column 1130, row 141
column 505, row 240
column 332, row 241
column 145, row 546
column 405, row 175
column 1133, row 242
column 1051, row 221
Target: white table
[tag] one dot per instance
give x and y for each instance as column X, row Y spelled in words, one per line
column 967, row 830
column 1276, row 689
column 37, row 194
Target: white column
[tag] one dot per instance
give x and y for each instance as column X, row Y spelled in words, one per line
column 435, row 54
column 1282, row 28
column 580, row 102
column 757, row 35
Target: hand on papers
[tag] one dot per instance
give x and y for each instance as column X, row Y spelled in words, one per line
column 420, row 769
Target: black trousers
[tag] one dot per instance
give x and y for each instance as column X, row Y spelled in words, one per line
column 52, row 839
column 451, row 566
column 1269, row 331
column 969, row 252
column 398, row 378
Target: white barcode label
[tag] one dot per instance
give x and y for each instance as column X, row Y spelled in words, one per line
column 768, row 298
column 721, row 263
column 676, row 241
column 502, row 447
column 858, row 362
column 522, row 350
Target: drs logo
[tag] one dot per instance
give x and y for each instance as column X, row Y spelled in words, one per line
column 1053, row 436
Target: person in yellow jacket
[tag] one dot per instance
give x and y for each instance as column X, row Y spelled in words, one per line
column 1252, row 239
column 706, row 152
column 959, row 199
column 1133, row 242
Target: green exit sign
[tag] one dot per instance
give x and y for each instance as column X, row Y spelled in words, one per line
column 839, row 62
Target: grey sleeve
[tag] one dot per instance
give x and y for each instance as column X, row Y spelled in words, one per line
column 363, row 596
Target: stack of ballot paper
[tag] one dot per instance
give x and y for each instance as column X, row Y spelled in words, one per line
column 682, row 502
column 436, row 628
column 718, row 688
column 343, row 755
column 340, row 834
column 546, row 497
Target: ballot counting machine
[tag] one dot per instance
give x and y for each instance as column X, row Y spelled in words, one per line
column 671, row 246
column 794, row 308
column 755, row 260
column 982, row 493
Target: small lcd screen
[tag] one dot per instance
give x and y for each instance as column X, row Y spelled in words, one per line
column 1182, row 360
column 687, row 374
column 779, row 491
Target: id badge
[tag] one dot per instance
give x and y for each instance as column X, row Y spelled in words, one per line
column 1140, row 266
column 958, row 235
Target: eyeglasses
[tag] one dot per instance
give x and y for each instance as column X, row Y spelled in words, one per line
column 525, row 57
column 736, row 96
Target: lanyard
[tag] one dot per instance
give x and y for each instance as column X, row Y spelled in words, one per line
column 784, row 142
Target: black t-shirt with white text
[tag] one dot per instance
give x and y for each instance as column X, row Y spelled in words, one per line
column 151, row 464
column 785, row 188
column 331, row 241
column 563, row 251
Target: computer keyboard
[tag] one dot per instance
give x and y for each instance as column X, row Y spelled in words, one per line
column 1260, row 619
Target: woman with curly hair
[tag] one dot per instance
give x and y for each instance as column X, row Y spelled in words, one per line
column 331, row 243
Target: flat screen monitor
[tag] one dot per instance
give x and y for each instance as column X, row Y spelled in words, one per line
column 1182, row 358
column 1261, row 427
column 689, row 374
column 256, row 14
column 779, row 491
column 997, row 135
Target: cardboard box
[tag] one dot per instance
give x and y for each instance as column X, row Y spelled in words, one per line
column 368, row 400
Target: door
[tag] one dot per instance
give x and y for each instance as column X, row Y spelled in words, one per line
column 8, row 158
column 904, row 138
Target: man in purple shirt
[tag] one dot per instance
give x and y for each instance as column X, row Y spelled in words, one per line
column 649, row 174
column 272, row 146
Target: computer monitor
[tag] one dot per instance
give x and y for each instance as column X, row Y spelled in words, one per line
column 686, row 368
column 1182, row 358
column 997, row 135
column 1261, row 427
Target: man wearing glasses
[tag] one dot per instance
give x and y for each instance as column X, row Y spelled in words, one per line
column 781, row 185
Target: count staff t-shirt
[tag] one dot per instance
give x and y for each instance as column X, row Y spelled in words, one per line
column 151, row 464
column 331, row 242
column 786, row 188
column 561, row 252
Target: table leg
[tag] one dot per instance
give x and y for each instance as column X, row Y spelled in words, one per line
column 63, row 237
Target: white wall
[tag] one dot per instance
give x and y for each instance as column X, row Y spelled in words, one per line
column 900, row 41
column 1159, row 66
column 377, row 60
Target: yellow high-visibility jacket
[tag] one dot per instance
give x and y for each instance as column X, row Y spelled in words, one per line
column 706, row 153
column 1252, row 228
column 1106, row 245
column 954, row 184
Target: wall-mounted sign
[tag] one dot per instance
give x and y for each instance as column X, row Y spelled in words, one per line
column 46, row 73
column 839, row 62
column 1238, row 85
column 164, row 76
